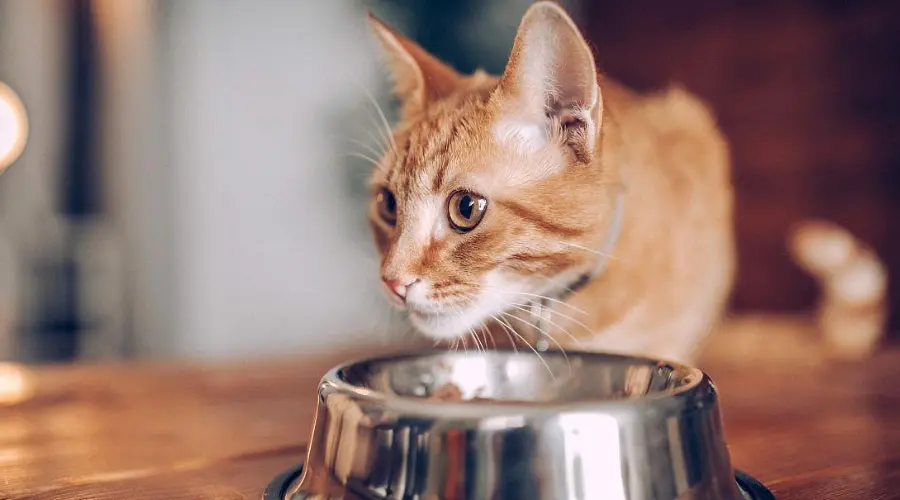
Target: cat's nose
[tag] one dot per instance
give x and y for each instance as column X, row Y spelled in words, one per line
column 398, row 286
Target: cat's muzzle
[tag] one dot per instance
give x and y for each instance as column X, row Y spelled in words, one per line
column 510, row 425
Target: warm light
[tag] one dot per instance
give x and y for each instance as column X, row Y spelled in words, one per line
column 15, row 384
column 13, row 127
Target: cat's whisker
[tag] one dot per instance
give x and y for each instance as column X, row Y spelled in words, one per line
column 367, row 162
column 367, row 158
column 368, row 147
column 533, row 349
column 551, row 279
column 380, row 139
column 385, row 126
column 481, row 348
column 384, row 120
column 478, row 343
column 563, row 315
column 487, row 335
column 590, row 250
column 561, row 330
column 544, row 333
column 538, row 296
column 555, row 282
column 368, row 153
column 449, row 345
column 506, row 329
column 458, row 310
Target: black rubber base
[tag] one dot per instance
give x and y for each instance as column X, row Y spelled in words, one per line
column 751, row 488
column 278, row 488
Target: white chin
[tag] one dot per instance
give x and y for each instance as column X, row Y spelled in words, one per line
column 446, row 326
column 497, row 295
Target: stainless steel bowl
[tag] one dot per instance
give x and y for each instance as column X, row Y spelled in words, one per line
column 582, row 426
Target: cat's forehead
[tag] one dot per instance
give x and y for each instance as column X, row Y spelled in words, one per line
column 455, row 146
column 434, row 152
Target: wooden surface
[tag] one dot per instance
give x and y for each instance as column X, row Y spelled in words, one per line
column 222, row 432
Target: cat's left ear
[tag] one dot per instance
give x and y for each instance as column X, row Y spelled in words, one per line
column 419, row 77
column 550, row 79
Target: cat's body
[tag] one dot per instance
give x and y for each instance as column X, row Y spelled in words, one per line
column 670, row 272
column 499, row 194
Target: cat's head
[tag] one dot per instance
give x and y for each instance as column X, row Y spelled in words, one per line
column 490, row 193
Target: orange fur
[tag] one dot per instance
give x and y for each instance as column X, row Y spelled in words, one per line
column 550, row 144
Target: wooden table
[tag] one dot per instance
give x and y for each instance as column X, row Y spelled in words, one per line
column 136, row 431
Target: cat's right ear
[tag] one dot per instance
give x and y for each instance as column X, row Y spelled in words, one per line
column 419, row 77
column 550, row 77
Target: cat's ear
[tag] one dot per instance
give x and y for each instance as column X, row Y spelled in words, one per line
column 419, row 77
column 550, row 79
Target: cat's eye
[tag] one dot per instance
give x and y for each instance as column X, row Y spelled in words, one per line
column 387, row 206
column 465, row 210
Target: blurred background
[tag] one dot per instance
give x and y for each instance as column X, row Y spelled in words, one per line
column 187, row 188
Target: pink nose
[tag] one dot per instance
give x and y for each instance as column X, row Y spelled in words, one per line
column 398, row 287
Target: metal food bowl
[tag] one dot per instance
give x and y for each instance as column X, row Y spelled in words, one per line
column 511, row 425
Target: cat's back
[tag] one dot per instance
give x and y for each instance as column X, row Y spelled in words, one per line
column 670, row 152
column 670, row 131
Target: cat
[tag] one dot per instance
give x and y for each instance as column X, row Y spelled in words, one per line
column 551, row 204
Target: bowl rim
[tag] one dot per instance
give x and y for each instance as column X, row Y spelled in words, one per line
column 698, row 391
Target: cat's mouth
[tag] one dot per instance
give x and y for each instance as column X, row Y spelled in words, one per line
column 434, row 315
column 445, row 325
column 458, row 316
column 429, row 316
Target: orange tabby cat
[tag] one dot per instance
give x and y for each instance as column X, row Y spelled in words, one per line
column 551, row 202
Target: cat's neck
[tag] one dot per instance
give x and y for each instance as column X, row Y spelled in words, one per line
column 610, row 157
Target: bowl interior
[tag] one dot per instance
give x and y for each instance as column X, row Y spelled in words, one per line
column 521, row 377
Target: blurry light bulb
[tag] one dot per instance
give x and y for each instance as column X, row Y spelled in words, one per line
column 13, row 127
column 16, row 384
